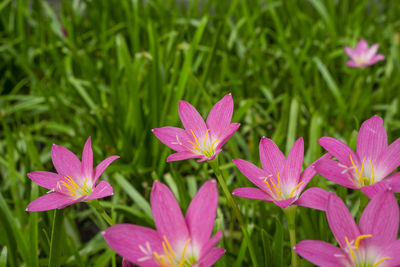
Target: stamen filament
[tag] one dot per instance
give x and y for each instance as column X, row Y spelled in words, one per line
column 166, row 253
column 205, row 138
column 71, row 181
column 380, row 261
column 361, row 172
column 195, row 138
column 276, row 189
column 69, row 187
column 297, row 186
column 84, row 187
column 354, row 165
column 169, row 247
column 358, row 240
column 373, row 173
column 184, row 249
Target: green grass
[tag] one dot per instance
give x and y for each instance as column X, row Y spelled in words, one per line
column 123, row 67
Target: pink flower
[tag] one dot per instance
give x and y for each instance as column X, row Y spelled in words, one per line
column 280, row 180
column 75, row 181
column 371, row 243
column 178, row 240
column 363, row 56
column 369, row 169
column 199, row 139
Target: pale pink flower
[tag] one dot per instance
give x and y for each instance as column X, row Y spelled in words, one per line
column 363, row 56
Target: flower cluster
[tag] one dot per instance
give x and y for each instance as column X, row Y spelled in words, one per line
column 180, row 240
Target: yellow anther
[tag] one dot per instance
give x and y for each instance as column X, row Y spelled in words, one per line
column 84, row 187
column 362, row 169
column 373, row 173
column 358, row 240
column 380, row 261
column 195, row 138
column 354, row 165
column 205, row 138
column 294, row 190
column 169, row 247
column 351, row 250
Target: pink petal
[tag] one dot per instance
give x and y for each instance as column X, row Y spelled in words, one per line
column 283, row 204
column 362, row 47
column 183, row 155
column 87, row 160
column 349, row 51
column 220, row 116
column 212, row 256
column 353, row 64
column 211, row 243
column 232, row 128
column 103, row 189
column 372, row 51
column 252, row 193
column 391, row 250
column 45, row 179
column 321, row 253
column 372, row 190
column 394, row 182
column 310, row 172
column 376, row 58
column 372, row 139
column 50, row 201
column 200, row 216
column 389, row 160
column 331, row 170
column 272, row 159
column 315, row 198
column 65, row 162
column 167, row 215
column 191, row 120
column 340, row 221
column 102, row 166
column 291, row 171
column 125, row 239
column 381, row 218
column 175, row 138
column 339, row 150
column 204, row 158
column 252, row 172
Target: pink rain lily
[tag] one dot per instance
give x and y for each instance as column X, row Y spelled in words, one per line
column 369, row 169
column 363, row 56
column 199, row 139
column 178, row 241
column 372, row 243
column 280, row 180
column 75, row 181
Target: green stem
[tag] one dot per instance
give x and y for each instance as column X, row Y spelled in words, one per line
column 96, row 204
column 290, row 213
column 57, row 238
column 215, row 166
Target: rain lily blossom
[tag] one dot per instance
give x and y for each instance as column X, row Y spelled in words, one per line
column 75, row 181
column 363, row 56
column 370, row 167
column 178, row 241
column 199, row 139
column 280, row 180
column 372, row 243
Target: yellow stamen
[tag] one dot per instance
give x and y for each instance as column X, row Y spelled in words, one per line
column 212, row 145
column 184, row 249
column 362, row 169
column 276, row 189
column 270, row 189
column 279, row 185
column 169, row 247
column 373, row 173
column 351, row 250
column 69, row 187
column 195, row 138
column 166, row 253
column 182, row 262
column 83, row 187
column 379, row 262
column 297, row 186
column 354, row 165
column 358, row 240
column 71, row 181
column 205, row 138
column 364, row 179
column 194, row 145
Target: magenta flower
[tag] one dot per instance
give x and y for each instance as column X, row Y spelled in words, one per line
column 199, row 139
column 372, row 243
column 369, row 169
column 280, row 180
column 178, row 241
column 363, row 56
column 75, row 181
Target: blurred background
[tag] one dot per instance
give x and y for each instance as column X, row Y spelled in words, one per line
column 113, row 70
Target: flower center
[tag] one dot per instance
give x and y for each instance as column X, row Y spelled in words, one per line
column 360, row 176
column 68, row 186
column 360, row 60
column 276, row 190
column 205, row 149
column 359, row 256
column 169, row 258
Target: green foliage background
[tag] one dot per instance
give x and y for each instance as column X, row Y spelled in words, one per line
column 115, row 69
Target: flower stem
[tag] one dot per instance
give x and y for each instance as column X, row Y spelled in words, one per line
column 57, row 236
column 215, row 166
column 290, row 213
column 96, row 204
